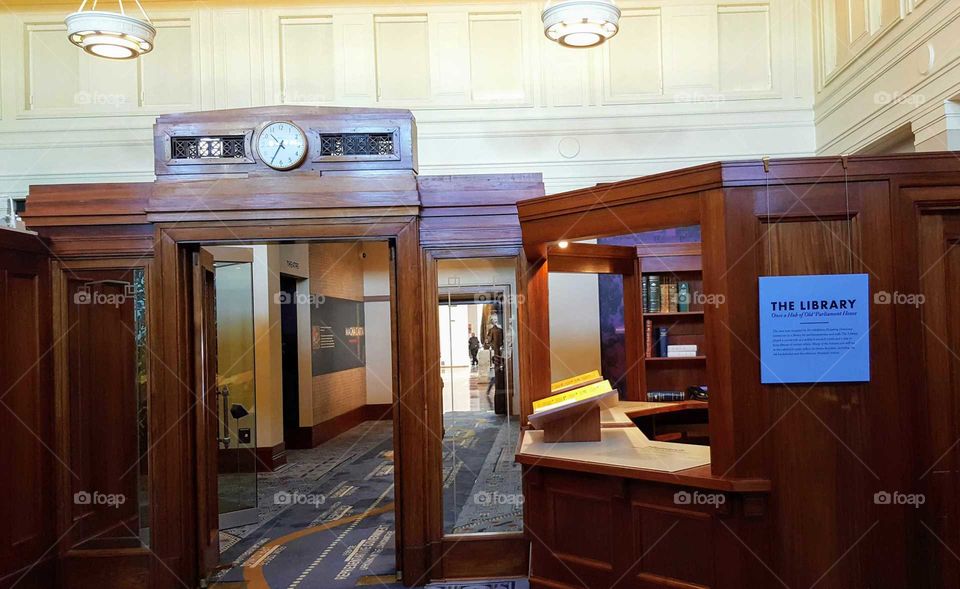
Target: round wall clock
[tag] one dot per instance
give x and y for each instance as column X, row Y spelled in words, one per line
column 282, row 145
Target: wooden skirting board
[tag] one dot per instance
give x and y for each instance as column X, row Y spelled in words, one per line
column 312, row 436
column 264, row 459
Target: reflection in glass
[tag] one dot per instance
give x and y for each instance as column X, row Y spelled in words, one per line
column 236, row 392
column 481, row 481
column 143, row 424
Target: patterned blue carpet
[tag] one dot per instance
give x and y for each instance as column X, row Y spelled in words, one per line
column 327, row 519
column 329, row 536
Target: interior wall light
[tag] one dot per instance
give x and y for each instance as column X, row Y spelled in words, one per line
column 563, row 244
column 581, row 23
column 114, row 35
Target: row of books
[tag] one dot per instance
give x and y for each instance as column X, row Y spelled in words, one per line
column 658, row 344
column 665, row 294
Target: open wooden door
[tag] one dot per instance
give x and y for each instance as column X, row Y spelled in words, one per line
column 207, row 420
column 27, row 535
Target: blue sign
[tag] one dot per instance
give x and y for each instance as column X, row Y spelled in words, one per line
column 814, row 329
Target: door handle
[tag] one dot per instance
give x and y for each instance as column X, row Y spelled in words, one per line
column 223, row 396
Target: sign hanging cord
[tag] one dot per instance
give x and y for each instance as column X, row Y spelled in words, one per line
column 766, row 183
column 846, row 197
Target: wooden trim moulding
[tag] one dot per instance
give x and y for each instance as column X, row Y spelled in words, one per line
column 306, row 437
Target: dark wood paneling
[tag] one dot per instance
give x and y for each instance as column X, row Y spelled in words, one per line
column 846, row 426
column 474, row 211
column 331, row 190
column 597, row 531
column 629, row 192
column 481, row 556
column 272, row 458
column 534, row 335
column 468, row 192
column 173, row 494
column 72, row 204
column 122, row 569
column 265, row 459
column 29, row 458
column 205, row 415
column 592, row 259
column 939, row 411
column 491, row 231
column 541, row 225
column 415, row 436
column 103, row 409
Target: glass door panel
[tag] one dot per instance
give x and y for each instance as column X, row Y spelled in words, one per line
column 477, row 310
column 236, row 391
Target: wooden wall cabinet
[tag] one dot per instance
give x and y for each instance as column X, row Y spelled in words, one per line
column 26, row 414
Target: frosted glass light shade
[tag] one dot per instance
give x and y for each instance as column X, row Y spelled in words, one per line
column 109, row 34
column 581, row 23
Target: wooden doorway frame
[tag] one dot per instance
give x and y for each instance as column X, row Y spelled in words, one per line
column 460, row 556
column 173, row 436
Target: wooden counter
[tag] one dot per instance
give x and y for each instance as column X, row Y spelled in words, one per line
column 630, row 512
column 620, row 454
column 614, row 417
column 644, row 408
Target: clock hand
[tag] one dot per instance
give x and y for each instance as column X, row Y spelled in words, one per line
column 276, row 153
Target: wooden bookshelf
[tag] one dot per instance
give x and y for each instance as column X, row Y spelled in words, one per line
column 668, row 314
column 675, row 262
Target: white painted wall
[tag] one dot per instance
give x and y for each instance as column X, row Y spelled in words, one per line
column 574, row 324
column 377, row 322
column 268, row 345
column 682, row 83
column 883, row 66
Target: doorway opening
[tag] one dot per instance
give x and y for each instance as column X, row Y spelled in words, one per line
column 290, row 360
column 481, row 407
column 303, row 396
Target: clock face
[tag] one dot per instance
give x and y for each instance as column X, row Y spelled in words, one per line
column 282, row 146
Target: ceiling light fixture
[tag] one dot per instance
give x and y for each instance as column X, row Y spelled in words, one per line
column 113, row 35
column 563, row 244
column 581, row 23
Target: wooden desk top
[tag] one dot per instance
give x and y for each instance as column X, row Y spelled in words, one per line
column 614, row 417
column 642, row 408
column 625, row 452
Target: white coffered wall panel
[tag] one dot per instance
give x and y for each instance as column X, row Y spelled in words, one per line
column 745, row 39
column 403, row 58
column 633, row 60
column 306, row 70
column 683, row 83
column 885, row 66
